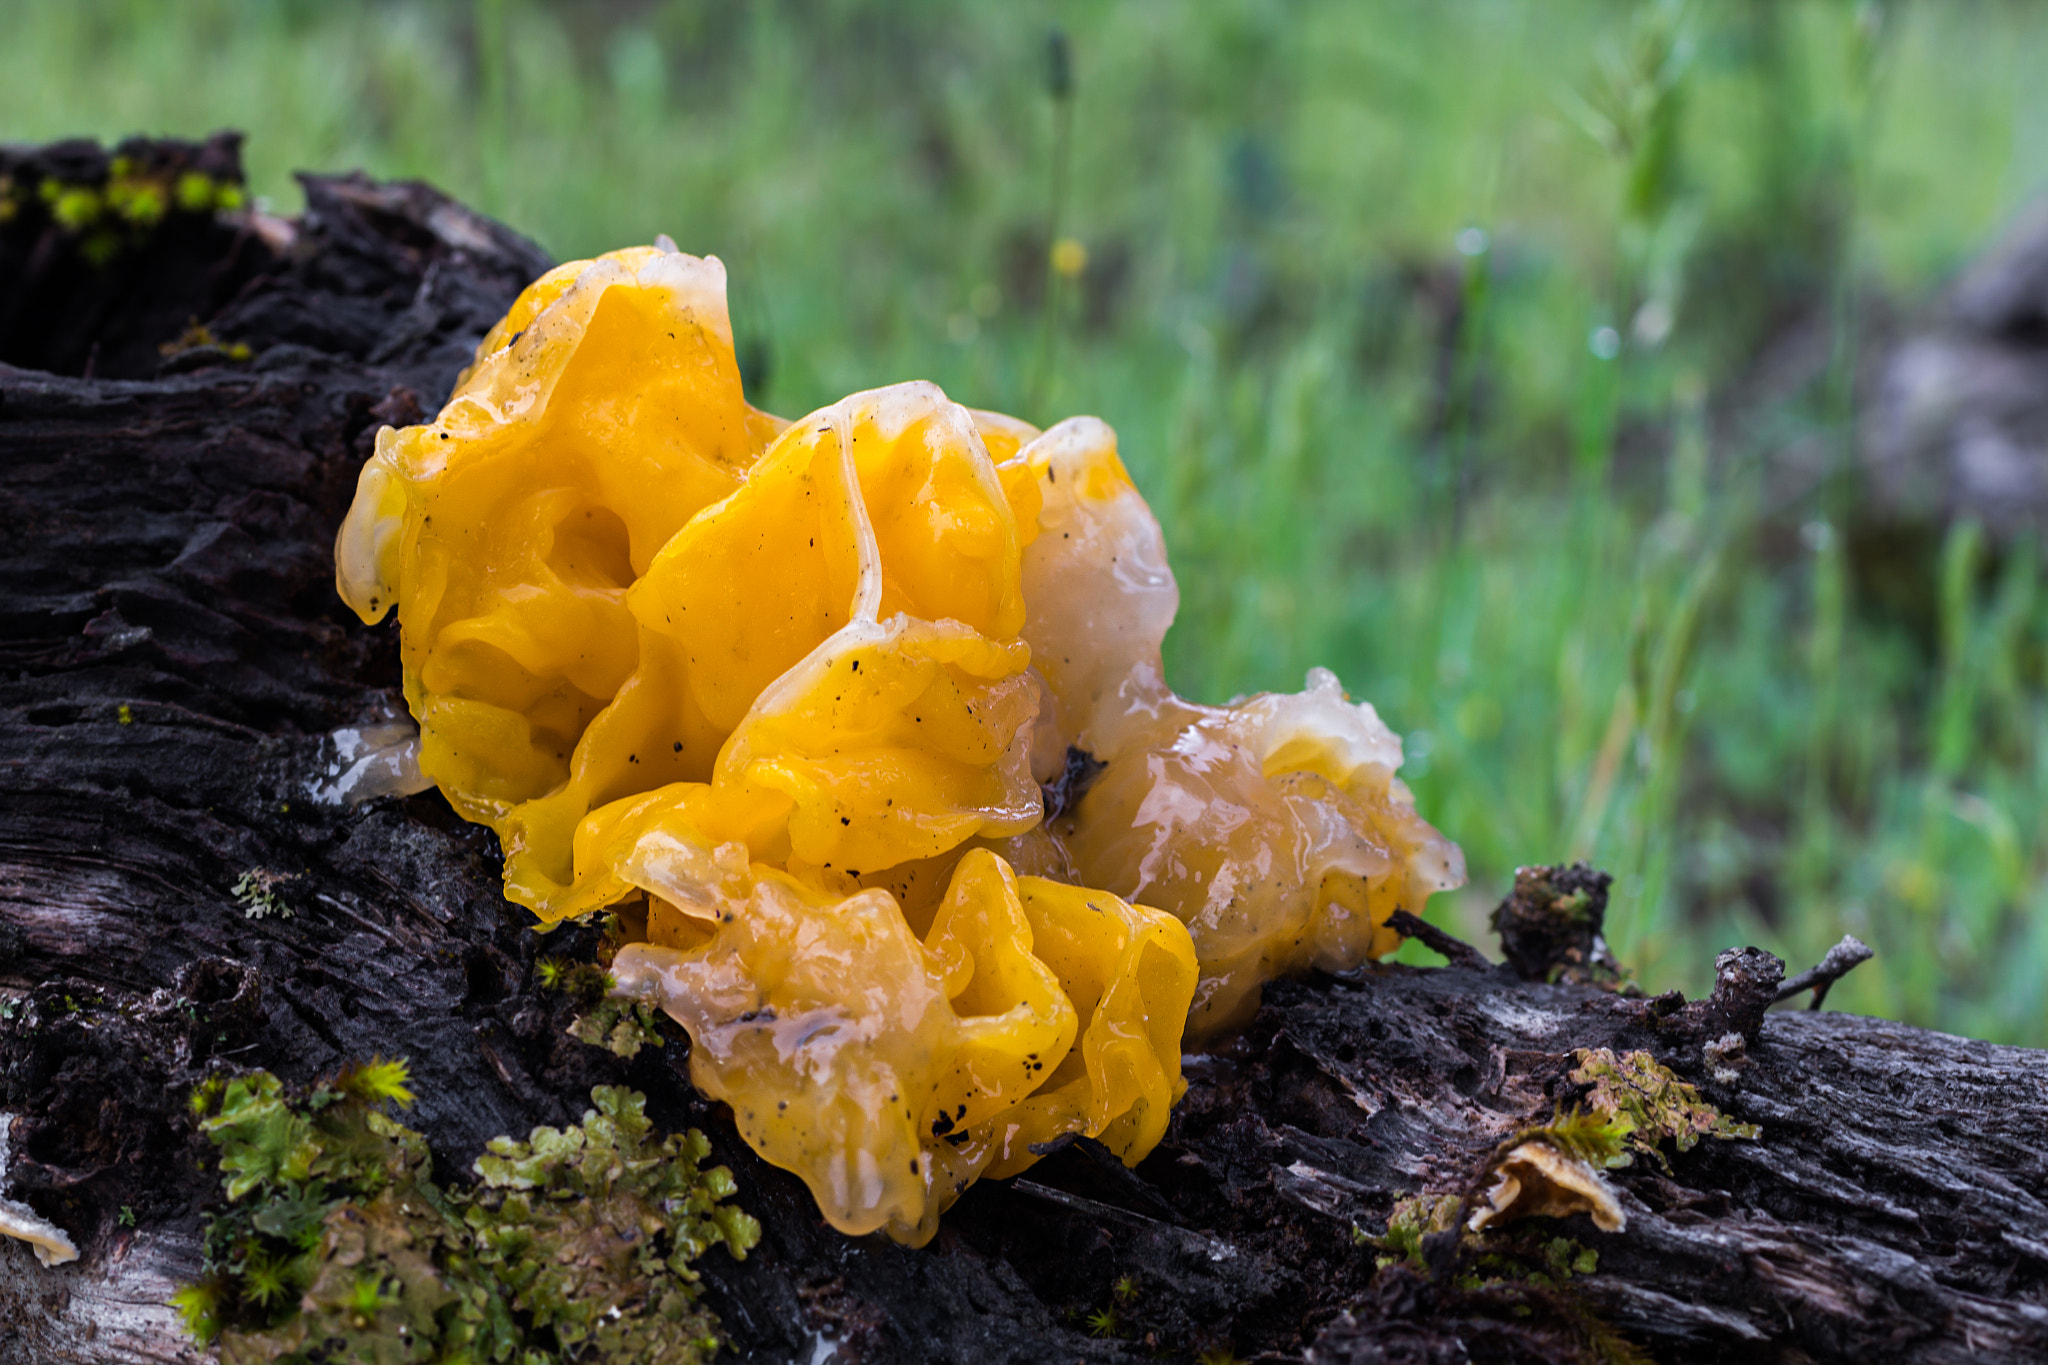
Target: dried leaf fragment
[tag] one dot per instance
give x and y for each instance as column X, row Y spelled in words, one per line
column 52, row 1245
column 1537, row 1180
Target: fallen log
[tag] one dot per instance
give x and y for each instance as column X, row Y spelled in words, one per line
column 180, row 429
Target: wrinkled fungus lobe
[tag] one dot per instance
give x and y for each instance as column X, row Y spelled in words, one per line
column 794, row 688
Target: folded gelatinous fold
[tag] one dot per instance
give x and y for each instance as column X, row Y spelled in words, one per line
column 884, row 503
column 599, row 417
column 1123, row 966
column 601, row 574
column 841, row 633
column 887, row 1072
column 1098, row 592
column 892, row 741
column 1275, row 827
column 919, row 885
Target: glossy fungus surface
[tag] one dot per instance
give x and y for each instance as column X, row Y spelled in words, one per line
column 794, row 688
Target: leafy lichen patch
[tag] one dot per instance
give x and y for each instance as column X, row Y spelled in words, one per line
column 337, row 1244
column 619, row 1024
column 622, row 1026
column 256, row 892
column 1495, row 1275
column 1634, row 1087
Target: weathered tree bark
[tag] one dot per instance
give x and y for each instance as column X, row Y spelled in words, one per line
column 173, row 659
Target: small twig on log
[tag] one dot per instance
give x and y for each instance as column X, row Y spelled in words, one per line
column 1455, row 950
column 1214, row 1248
column 1841, row 959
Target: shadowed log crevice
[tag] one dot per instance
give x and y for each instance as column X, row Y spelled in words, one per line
column 173, row 658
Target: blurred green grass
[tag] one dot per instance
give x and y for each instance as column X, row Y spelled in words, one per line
column 1458, row 346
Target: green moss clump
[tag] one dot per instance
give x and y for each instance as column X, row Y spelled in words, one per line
column 138, row 200
column 198, row 336
column 198, row 192
column 1414, row 1217
column 1656, row 1104
column 1510, row 1276
column 108, row 215
column 1601, row 1138
column 73, row 206
column 576, row 1245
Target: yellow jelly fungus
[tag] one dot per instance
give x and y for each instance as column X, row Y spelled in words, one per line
column 510, row 528
column 889, row 1073
column 1273, row 827
column 834, row 645
column 792, row 688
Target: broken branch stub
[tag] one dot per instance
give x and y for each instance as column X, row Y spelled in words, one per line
column 1550, row 925
column 1851, row 953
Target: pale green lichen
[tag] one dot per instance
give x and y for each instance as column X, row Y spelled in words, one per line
column 623, row 1026
column 576, row 1245
column 1634, row 1088
column 607, row 1021
column 256, row 892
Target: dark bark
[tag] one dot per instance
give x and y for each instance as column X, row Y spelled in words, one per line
column 173, row 657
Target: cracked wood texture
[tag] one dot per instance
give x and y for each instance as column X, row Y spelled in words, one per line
column 173, row 658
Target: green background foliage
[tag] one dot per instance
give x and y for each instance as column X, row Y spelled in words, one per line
column 1462, row 347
